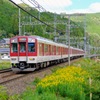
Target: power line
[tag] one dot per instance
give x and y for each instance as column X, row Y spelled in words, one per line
column 34, row 16
column 40, row 7
column 36, row 4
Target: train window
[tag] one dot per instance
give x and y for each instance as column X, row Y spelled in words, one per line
column 46, row 49
column 22, row 47
column 31, row 47
column 40, row 49
column 52, row 50
column 57, row 50
column 14, row 47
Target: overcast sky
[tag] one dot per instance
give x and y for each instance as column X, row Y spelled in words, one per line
column 68, row 6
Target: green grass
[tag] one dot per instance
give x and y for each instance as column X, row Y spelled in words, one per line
column 3, row 93
column 70, row 91
column 93, row 68
column 5, row 64
column 36, row 81
column 65, row 91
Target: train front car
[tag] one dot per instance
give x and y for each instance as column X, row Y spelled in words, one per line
column 22, row 53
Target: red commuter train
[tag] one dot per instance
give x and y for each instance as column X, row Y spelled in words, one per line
column 28, row 53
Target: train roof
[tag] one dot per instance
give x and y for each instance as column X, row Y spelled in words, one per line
column 44, row 40
column 49, row 41
column 39, row 38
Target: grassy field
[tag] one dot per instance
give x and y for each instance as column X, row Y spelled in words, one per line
column 68, row 83
column 4, row 64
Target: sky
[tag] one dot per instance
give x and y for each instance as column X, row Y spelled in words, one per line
column 68, row 6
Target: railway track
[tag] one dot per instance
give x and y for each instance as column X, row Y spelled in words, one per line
column 5, row 70
column 9, row 77
column 13, row 77
column 6, row 75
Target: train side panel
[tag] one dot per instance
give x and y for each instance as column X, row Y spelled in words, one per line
column 29, row 53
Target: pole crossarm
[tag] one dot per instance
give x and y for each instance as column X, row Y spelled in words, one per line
column 58, row 30
column 49, row 23
column 39, row 23
column 35, row 5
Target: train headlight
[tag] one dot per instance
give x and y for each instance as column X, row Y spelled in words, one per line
column 31, row 58
column 13, row 59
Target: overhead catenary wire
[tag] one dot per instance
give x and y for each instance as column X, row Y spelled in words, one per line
column 34, row 16
column 57, row 30
column 39, row 8
column 35, row 3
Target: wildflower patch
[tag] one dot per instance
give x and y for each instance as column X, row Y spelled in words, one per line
column 69, row 81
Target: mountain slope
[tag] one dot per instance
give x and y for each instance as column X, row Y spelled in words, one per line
column 9, row 23
column 92, row 27
column 93, row 23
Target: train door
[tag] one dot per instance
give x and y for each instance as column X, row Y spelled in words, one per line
column 22, row 49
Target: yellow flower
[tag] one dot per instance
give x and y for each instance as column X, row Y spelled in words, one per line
column 65, row 75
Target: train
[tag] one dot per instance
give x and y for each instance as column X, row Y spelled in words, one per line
column 28, row 53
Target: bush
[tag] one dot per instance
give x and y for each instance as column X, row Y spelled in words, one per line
column 67, row 82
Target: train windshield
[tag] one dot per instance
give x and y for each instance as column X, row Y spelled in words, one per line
column 14, row 47
column 22, row 47
column 31, row 47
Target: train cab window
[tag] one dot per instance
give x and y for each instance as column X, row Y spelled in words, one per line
column 14, row 47
column 22, row 47
column 31, row 47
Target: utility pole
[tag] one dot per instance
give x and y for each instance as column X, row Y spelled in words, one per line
column 55, row 18
column 69, row 40
column 19, row 22
column 69, row 27
column 66, row 34
column 85, row 35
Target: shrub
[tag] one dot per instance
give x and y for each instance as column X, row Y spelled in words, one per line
column 67, row 82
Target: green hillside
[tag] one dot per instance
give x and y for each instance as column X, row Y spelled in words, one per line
column 92, row 27
column 93, row 23
column 8, row 19
column 9, row 23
